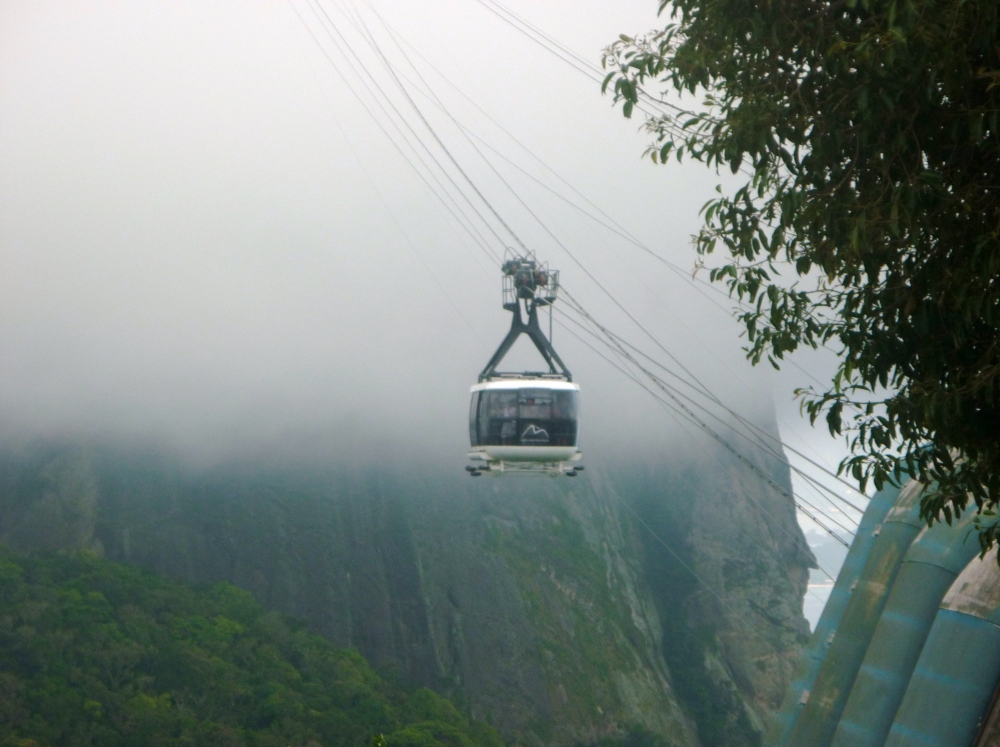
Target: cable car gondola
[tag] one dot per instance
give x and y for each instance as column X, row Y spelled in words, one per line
column 525, row 422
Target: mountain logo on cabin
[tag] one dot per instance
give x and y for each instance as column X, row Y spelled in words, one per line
column 534, row 435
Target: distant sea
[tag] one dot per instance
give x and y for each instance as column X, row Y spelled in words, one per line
column 830, row 555
column 816, row 596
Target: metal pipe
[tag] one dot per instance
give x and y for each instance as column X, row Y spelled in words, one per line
column 825, row 703
column 957, row 673
column 931, row 565
column 812, row 657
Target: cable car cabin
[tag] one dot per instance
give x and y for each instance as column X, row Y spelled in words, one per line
column 525, row 424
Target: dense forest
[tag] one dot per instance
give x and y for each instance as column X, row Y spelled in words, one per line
column 98, row 653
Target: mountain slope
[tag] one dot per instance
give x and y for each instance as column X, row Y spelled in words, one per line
column 558, row 611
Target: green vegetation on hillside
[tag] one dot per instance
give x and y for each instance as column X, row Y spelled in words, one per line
column 97, row 653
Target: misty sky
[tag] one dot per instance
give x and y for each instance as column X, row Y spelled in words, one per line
column 210, row 238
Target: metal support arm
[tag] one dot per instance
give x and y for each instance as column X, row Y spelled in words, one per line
column 533, row 330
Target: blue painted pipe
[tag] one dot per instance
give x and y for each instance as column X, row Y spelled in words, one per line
column 957, row 673
column 930, row 566
column 825, row 703
column 814, row 653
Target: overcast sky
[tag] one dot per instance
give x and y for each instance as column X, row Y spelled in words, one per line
column 223, row 224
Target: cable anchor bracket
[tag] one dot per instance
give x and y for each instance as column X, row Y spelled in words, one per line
column 531, row 284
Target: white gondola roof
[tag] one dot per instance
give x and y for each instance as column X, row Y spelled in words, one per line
column 525, row 382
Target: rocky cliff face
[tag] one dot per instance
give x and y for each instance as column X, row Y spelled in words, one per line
column 561, row 611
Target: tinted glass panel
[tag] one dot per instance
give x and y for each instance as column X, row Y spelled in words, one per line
column 498, row 418
column 525, row 417
column 503, row 404
column 535, row 403
column 564, row 405
column 473, row 412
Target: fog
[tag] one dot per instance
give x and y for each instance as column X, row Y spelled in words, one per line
column 210, row 244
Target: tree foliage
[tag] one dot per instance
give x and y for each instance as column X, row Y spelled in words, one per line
column 867, row 132
column 92, row 652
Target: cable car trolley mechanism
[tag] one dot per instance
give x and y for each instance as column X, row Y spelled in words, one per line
column 525, row 422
